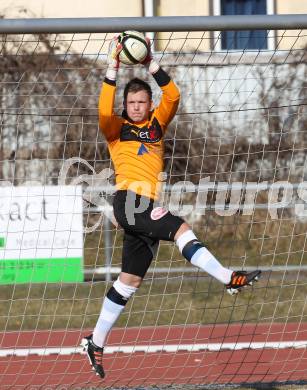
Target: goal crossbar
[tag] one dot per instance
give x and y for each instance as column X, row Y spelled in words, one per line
column 157, row 23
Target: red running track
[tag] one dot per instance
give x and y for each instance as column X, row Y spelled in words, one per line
column 226, row 359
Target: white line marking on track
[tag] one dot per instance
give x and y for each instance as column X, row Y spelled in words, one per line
column 215, row 347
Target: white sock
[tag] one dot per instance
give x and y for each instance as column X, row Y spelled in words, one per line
column 204, row 259
column 110, row 312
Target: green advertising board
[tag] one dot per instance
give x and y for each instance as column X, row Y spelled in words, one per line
column 41, row 270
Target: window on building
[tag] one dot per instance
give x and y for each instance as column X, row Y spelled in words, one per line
column 247, row 39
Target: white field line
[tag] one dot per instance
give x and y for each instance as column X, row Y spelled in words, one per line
column 190, row 269
column 215, row 347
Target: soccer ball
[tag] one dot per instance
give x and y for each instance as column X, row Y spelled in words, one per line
column 134, row 49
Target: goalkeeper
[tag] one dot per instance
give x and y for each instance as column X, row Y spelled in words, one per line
column 135, row 141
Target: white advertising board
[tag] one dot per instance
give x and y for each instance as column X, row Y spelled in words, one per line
column 41, row 234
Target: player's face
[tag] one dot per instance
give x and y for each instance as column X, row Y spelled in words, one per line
column 138, row 106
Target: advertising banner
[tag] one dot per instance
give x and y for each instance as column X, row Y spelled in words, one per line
column 41, row 234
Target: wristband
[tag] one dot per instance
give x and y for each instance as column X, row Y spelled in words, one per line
column 111, row 73
column 153, row 67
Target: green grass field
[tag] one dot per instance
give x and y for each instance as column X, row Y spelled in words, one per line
column 171, row 300
column 177, row 298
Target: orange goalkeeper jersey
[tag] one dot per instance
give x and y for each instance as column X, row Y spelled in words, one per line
column 137, row 149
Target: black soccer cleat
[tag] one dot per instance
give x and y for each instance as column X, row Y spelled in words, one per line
column 94, row 355
column 241, row 279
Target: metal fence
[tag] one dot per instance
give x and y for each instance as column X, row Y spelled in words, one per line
column 280, row 190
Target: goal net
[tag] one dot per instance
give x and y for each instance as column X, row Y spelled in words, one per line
column 235, row 169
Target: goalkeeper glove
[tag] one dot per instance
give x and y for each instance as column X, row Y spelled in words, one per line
column 113, row 61
column 149, row 61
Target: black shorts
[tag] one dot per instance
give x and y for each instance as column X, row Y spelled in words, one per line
column 144, row 225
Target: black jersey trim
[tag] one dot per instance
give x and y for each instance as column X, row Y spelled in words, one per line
column 161, row 77
column 110, row 82
column 150, row 133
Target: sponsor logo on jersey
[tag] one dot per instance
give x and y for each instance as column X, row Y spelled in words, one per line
column 157, row 213
column 142, row 150
column 146, row 134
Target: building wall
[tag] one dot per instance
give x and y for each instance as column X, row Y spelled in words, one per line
column 107, row 8
column 202, row 41
column 183, row 7
column 190, row 40
column 72, row 8
column 289, row 38
column 291, row 7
